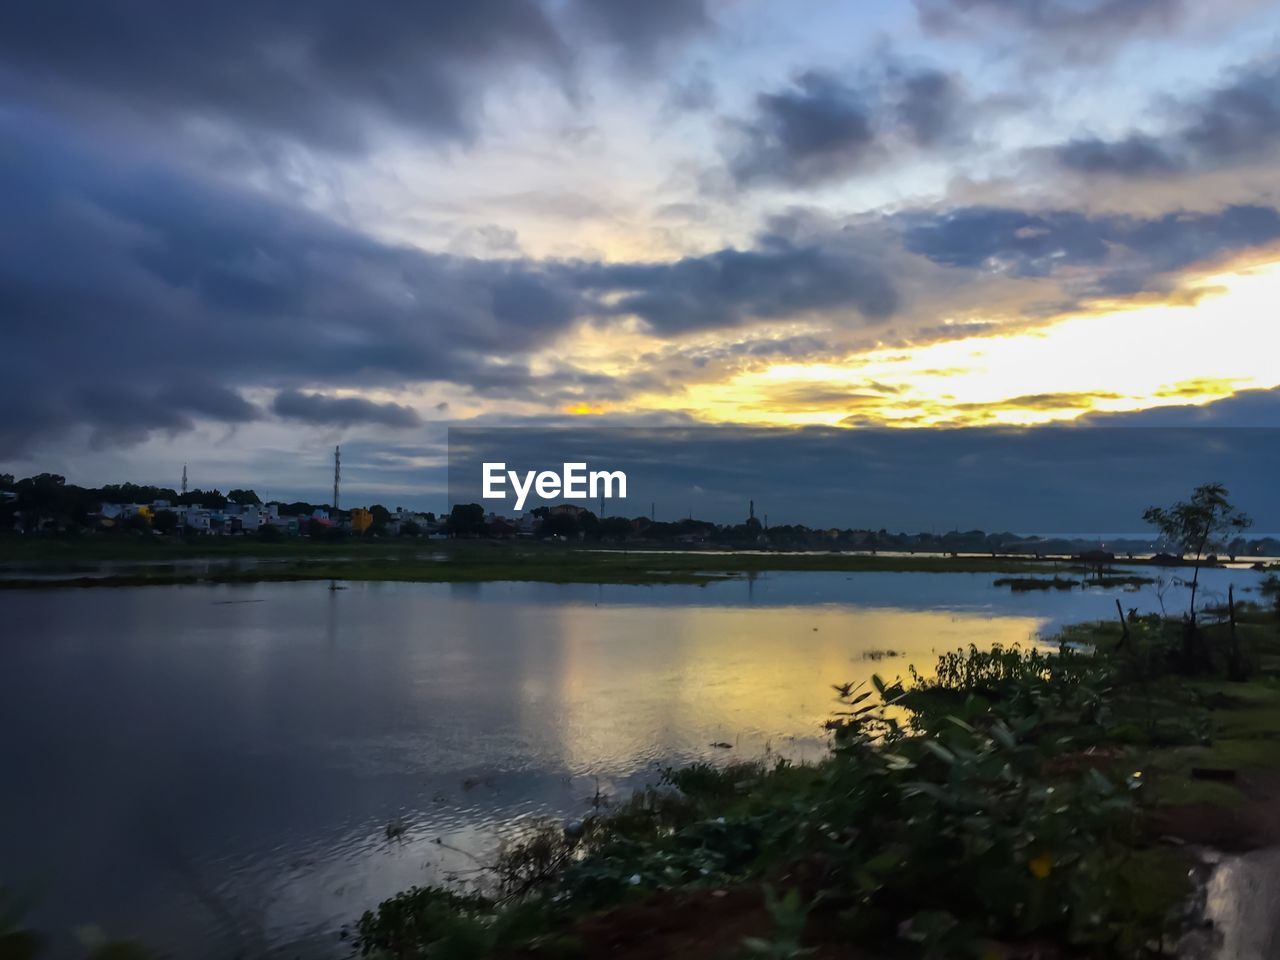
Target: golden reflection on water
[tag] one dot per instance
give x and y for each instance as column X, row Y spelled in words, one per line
column 756, row 678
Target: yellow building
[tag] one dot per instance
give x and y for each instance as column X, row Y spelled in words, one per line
column 361, row 519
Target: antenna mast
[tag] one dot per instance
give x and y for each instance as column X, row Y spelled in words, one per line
column 337, row 475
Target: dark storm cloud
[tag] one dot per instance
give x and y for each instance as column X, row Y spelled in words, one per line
column 929, row 105
column 1133, row 156
column 1128, row 253
column 1029, row 244
column 326, row 72
column 731, row 286
column 320, row 71
column 641, row 29
column 816, row 130
column 1101, row 19
column 1069, row 478
column 1240, row 118
column 204, row 399
column 822, row 128
column 1238, row 121
column 120, row 277
column 317, row 408
column 116, row 412
column 1248, row 408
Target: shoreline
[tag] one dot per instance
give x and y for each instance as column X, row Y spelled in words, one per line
column 76, row 564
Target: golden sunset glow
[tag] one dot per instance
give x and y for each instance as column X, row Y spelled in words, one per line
column 1114, row 358
column 584, row 409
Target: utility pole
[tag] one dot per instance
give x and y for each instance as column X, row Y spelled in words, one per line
column 337, row 474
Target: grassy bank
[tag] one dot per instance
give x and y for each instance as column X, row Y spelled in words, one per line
column 156, row 561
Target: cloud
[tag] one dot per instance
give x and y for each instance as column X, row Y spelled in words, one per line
column 729, row 287
column 138, row 298
column 210, row 400
column 1237, row 121
column 123, row 277
column 1099, row 19
column 320, row 409
column 1064, row 478
column 1017, row 241
column 1127, row 254
column 1135, row 155
column 120, row 279
column 326, row 73
column 116, row 413
column 1040, row 401
column 641, row 30
column 824, row 128
column 814, row 131
column 929, row 106
column 1246, row 409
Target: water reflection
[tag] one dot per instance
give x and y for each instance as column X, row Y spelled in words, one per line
column 213, row 768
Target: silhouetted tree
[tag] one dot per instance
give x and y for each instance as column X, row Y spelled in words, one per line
column 381, row 517
column 466, row 520
column 1197, row 525
column 165, row 521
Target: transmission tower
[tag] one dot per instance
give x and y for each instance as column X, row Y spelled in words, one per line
column 337, row 474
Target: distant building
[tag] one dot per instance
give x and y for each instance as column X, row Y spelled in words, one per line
column 361, row 519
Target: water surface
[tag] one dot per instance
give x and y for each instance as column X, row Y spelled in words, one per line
column 213, row 768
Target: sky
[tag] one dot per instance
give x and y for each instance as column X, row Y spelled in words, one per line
column 236, row 235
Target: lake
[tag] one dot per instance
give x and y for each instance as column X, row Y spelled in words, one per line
column 213, row 768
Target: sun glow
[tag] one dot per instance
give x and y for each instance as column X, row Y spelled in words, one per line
column 1114, row 358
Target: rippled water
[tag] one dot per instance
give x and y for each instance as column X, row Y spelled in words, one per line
column 214, row 767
